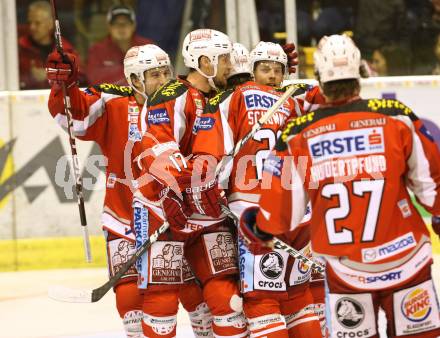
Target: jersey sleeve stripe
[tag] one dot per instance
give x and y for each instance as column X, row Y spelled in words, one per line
column 96, row 110
column 419, row 174
column 179, row 117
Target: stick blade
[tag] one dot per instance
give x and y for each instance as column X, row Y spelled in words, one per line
column 65, row 294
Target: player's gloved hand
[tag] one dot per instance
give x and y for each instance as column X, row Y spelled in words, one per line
column 205, row 198
column 62, row 68
column 435, row 221
column 176, row 211
column 292, row 57
column 258, row 241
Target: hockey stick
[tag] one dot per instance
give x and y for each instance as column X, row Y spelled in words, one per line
column 64, row 294
column 75, row 160
column 279, row 244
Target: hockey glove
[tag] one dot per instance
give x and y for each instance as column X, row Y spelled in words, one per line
column 258, row 242
column 176, row 212
column 436, row 224
column 205, row 199
column 62, row 68
column 292, row 57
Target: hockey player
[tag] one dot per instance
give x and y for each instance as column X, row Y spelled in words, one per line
column 174, row 115
column 354, row 159
column 110, row 115
column 263, row 276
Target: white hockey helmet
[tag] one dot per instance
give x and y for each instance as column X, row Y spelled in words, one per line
column 240, row 59
column 205, row 42
column 138, row 59
column 268, row 51
column 337, row 58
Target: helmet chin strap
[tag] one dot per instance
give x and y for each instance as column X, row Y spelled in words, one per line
column 210, row 77
column 142, row 93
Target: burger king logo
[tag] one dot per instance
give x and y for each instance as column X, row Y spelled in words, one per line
column 416, row 305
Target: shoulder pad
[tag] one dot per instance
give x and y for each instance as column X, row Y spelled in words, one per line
column 170, row 90
column 390, row 107
column 295, row 125
column 300, row 88
column 214, row 102
column 114, row 89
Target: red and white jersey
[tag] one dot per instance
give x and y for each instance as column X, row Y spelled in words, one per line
column 231, row 115
column 354, row 162
column 109, row 115
column 171, row 126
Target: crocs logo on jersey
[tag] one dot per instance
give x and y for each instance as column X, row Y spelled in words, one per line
column 273, row 165
column 349, row 312
column 377, row 104
column 416, row 305
column 203, row 124
column 271, row 265
column 170, row 90
column 158, row 116
column 346, row 143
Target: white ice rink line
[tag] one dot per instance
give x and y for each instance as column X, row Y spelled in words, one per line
column 27, row 312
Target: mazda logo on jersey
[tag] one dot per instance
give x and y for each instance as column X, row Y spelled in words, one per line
column 349, row 312
column 346, row 143
column 271, row 265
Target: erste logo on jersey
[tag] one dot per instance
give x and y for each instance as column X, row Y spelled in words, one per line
column 416, row 305
column 203, row 124
column 346, row 144
column 158, row 116
column 257, row 99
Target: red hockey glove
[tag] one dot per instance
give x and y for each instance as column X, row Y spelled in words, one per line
column 176, row 212
column 292, row 57
column 62, row 68
column 258, row 242
column 435, row 221
column 203, row 199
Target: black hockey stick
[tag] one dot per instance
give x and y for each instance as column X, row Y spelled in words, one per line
column 64, row 294
column 279, row 244
column 75, row 160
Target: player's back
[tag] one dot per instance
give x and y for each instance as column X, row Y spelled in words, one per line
column 360, row 158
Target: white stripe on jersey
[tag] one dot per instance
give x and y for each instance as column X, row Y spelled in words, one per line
column 179, row 117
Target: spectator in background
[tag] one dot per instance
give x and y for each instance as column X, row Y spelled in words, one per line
column 335, row 17
column 105, row 58
column 380, row 23
column 36, row 44
column 424, row 37
column 436, row 70
column 390, row 60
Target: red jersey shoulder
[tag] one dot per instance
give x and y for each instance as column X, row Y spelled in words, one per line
column 169, row 91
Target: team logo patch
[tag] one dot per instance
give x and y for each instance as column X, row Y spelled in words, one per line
column 203, row 124
column 349, row 313
column 158, row 116
column 167, row 263
column 222, row 251
column 346, row 143
column 271, row 265
column 416, row 305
